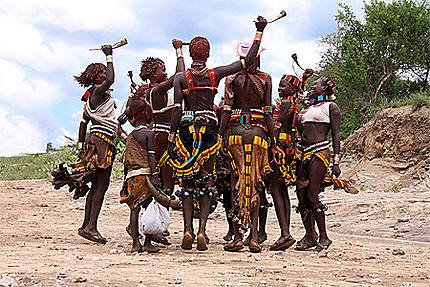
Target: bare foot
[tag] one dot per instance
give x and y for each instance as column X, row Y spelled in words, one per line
column 201, row 242
column 187, row 241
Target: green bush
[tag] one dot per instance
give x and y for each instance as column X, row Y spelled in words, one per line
column 416, row 100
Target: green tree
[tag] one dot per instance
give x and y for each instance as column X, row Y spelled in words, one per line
column 378, row 59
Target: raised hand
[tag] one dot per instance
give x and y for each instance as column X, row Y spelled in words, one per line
column 177, row 43
column 261, row 23
column 308, row 72
column 107, row 49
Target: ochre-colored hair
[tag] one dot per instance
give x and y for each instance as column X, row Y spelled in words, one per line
column 89, row 76
column 149, row 65
column 199, row 48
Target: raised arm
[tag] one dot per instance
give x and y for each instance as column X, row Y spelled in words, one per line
column 335, row 119
column 100, row 91
column 268, row 108
column 180, row 67
column 235, row 67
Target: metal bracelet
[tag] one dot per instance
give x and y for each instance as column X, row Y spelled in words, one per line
column 171, row 137
column 227, row 108
column 109, row 59
column 243, row 63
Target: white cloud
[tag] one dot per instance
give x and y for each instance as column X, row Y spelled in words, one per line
column 19, row 135
column 79, row 15
column 22, row 91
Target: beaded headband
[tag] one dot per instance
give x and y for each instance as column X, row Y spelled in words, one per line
column 292, row 80
column 330, row 83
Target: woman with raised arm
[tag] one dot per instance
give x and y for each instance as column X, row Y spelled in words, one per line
column 193, row 137
column 97, row 151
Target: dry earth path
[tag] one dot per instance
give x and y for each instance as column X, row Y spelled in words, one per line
column 380, row 239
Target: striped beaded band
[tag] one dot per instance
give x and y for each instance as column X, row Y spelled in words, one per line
column 330, row 83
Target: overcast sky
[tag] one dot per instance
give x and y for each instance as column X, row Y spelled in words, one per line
column 45, row 43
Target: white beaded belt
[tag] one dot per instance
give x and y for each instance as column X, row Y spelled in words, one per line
column 316, row 147
column 161, row 128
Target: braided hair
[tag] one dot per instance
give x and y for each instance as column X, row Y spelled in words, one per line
column 137, row 103
column 89, row 76
column 199, row 48
column 149, row 65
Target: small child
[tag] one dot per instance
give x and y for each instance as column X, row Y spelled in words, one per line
column 139, row 162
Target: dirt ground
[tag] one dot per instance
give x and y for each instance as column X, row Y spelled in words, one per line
column 380, row 239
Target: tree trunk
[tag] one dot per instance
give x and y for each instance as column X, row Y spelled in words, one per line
column 387, row 74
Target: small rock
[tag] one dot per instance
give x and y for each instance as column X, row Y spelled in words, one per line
column 113, row 251
column 179, row 259
column 80, row 257
column 398, row 252
column 400, row 220
column 80, row 280
column 258, row 269
column 191, row 259
column 61, row 275
column 336, row 224
column 26, row 280
column 279, row 252
column 96, row 259
column 141, row 285
column 8, row 281
column 263, row 283
column 37, row 285
column 376, row 280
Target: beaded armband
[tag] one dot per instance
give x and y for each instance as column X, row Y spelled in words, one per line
column 179, row 53
column 278, row 125
column 258, row 37
column 268, row 109
column 109, row 59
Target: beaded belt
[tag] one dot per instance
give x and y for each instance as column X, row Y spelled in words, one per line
column 316, row 147
column 254, row 116
column 164, row 128
column 198, row 117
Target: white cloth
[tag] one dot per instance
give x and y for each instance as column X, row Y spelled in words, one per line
column 319, row 113
column 104, row 114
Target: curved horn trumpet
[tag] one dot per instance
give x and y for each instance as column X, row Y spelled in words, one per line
column 281, row 14
column 114, row 46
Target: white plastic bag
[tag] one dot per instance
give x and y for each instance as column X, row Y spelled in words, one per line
column 155, row 219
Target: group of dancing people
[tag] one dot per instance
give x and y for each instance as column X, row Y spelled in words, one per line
column 239, row 150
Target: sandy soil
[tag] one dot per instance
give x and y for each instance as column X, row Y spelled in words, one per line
column 380, row 239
